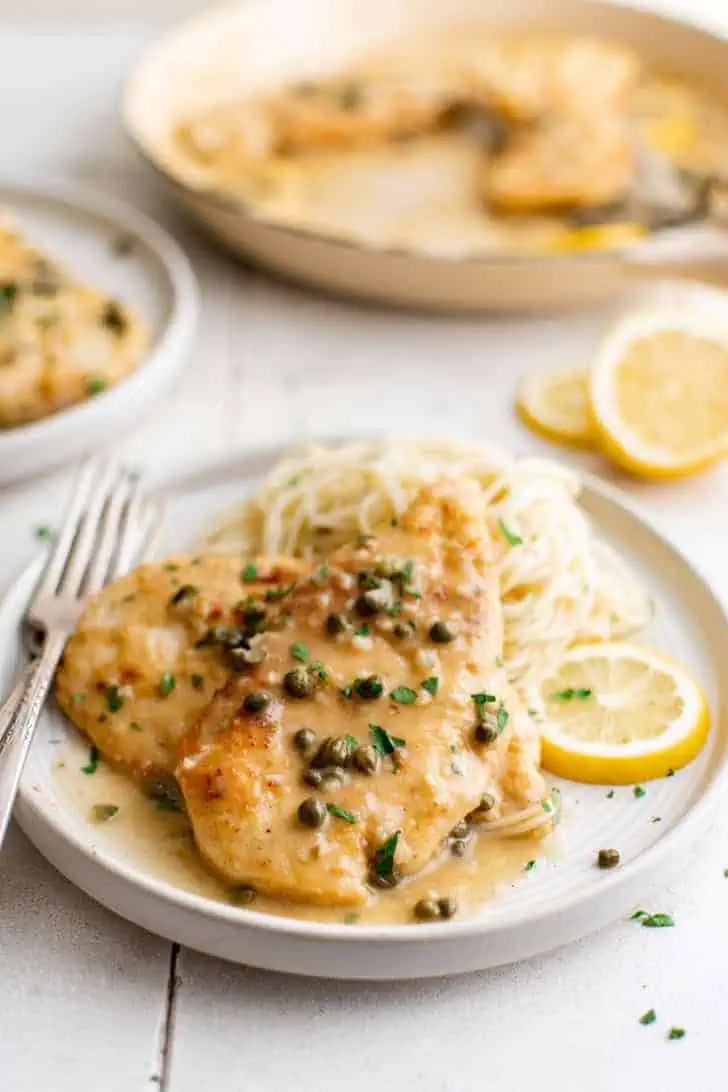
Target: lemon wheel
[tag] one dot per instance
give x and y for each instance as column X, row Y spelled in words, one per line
column 618, row 714
column 555, row 403
column 658, row 390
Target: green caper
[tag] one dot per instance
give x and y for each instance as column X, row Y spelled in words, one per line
column 448, row 907
column 336, row 624
column 366, row 759
column 608, row 858
column 460, row 846
column 254, row 616
column 312, row 813
column 442, row 633
column 426, row 910
column 369, row 688
column 372, row 602
column 304, row 740
column 486, row 730
column 256, row 701
column 297, row 682
column 333, row 751
column 313, row 778
column 403, row 630
column 461, row 829
column 332, row 780
column 390, row 880
column 243, row 894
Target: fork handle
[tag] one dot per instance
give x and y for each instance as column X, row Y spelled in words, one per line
column 16, row 739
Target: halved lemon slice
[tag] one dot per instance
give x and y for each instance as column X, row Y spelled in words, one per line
column 658, row 389
column 620, row 713
column 555, row 403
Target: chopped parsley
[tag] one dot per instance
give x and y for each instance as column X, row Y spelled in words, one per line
column 249, row 573
column 319, row 669
column 405, row 695
column 95, row 384
column 351, row 740
column 725, row 873
column 361, row 540
column 394, row 610
column 610, row 794
column 167, row 684
column 510, row 536
column 368, row 687
column 639, row 792
column 93, row 762
column 670, row 772
column 323, row 572
column 165, row 797
column 676, row 1033
column 383, row 742
column 8, row 293
column 347, row 691
column 431, row 685
column 362, row 630
column 351, row 918
column 648, row 1017
column 341, row 813
column 197, row 681
column 653, row 921
column 394, row 522
column 483, row 699
column 114, row 698
column 384, row 856
column 184, row 593
column 103, row 812
column 299, row 652
column 272, row 595
column 572, row 694
column 656, row 819
column 43, row 533
column 529, row 866
column 502, row 717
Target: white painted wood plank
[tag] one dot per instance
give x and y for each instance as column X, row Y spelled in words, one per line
column 82, row 990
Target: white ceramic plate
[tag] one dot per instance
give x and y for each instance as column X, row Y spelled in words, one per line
column 245, row 49
column 80, row 230
column 563, row 898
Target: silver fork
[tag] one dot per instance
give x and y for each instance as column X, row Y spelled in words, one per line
column 97, row 542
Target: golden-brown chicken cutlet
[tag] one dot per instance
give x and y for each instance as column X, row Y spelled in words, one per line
column 377, row 721
column 151, row 650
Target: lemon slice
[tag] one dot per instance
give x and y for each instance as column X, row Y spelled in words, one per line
column 658, row 390
column 620, row 713
column 555, row 403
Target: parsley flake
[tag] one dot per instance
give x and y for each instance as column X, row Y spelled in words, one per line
column 648, row 1017
column 653, row 921
column 483, row 699
column 384, row 856
column 101, row 813
column 249, row 573
column 197, row 681
column 114, row 698
column 529, row 866
column 341, row 813
column 362, row 630
column 43, row 533
column 676, row 1033
column 431, row 685
column 510, row 536
column 93, row 762
column 383, row 742
column 299, row 652
column 95, row 384
column 167, row 684
column 405, row 695
column 572, row 694
column 639, row 792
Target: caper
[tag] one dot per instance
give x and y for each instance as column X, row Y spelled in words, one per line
column 608, row 858
column 486, row 730
column 312, row 813
column 426, row 910
column 240, row 659
column 336, row 624
column 297, row 682
column 366, row 759
column 332, row 780
column 460, row 846
column 369, row 688
column 334, row 751
column 403, row 630
column 372, row 602
column 442, row 633
column 313, row 778
column 487, row 802
column 390, row 880
column 243, row 894
column 304, row 741
column 254, row 616
column 256, row 701
column 448, row 907
column 461, row 829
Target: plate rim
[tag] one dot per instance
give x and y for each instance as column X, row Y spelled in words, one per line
column 175, row 334
column 616, row 883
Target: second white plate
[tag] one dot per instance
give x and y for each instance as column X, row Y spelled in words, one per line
column 563, row 898
column 82, row 231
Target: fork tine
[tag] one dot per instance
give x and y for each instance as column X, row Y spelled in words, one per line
column 110, row 531
column 131, row 530
column 86, row 544
column 154, row 529
column 61, row 550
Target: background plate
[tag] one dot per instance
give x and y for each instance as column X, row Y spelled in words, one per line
column 564, row 897
column 80, row 230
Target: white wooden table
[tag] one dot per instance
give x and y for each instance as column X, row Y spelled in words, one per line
column 85, row 996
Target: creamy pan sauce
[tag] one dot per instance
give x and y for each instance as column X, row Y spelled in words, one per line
column 160, row 844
